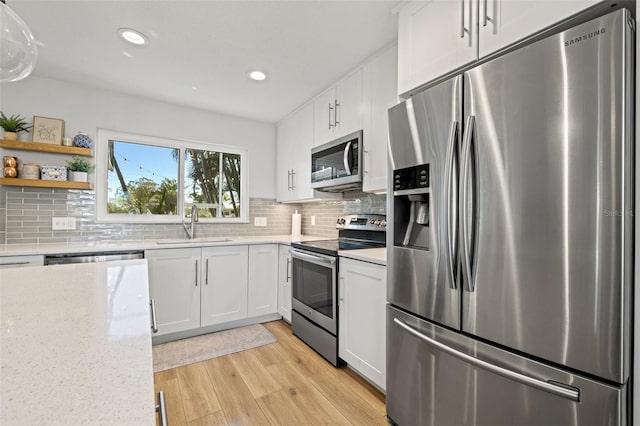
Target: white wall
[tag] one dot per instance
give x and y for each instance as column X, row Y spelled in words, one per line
column 86, row 109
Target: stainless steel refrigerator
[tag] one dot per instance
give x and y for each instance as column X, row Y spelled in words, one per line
column 510, row 240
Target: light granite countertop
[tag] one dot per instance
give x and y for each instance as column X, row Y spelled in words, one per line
column 76, row 345
column 139, row 245
column 372, row 255
column 376, row 255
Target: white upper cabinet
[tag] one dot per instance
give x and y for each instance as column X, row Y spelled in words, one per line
column 294, row 143
column 294, row 140
column 435, row 37
column 339, row 110
column 379, row 81
column 503, row 22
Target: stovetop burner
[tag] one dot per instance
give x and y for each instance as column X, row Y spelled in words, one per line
column 355, row 232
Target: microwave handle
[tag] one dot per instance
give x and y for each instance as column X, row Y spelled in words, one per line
column 346, row 157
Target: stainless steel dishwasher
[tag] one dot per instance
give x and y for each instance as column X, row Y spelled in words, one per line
column 63, row 259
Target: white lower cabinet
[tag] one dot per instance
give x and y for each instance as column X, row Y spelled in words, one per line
column 207, row 286
column 284, row 282
column 174, row 286
column 263, row 279
column 21, row 261
column 224, row 284
column 362, row 335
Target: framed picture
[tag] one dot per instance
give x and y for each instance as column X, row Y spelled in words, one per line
column 48, row 130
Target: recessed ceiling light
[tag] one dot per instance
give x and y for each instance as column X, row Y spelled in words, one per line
column 257, row 75
column 133, row 36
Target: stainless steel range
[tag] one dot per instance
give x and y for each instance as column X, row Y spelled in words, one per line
column 314, row 318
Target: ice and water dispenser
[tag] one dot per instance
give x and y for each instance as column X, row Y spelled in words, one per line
column 411, row 204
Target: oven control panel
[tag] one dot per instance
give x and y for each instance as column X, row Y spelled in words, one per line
column 368, row 222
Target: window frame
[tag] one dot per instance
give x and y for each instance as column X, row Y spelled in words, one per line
column 102, row 173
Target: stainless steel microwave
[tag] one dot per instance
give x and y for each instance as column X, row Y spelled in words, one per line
column 337, row 166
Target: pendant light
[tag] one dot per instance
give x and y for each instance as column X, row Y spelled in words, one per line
column 18, row 49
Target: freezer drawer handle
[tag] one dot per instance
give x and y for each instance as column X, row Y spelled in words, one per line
column 562, row 391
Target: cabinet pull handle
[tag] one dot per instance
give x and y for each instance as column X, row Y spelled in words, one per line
column 293, row 174
column 288, row 263
column 288, row 180
column 330, row 108
column 486, row 15
column 463, row 29
column 162, row 408
column 154, row 319
column 335, row 113
column 196, row 272
column 206, row 276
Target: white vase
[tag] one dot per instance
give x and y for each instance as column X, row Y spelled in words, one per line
column 78, row 176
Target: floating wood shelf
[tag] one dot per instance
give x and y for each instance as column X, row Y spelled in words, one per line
column 63, row 184
column 45, row 147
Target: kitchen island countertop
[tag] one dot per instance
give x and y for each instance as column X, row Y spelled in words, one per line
column 76, row 345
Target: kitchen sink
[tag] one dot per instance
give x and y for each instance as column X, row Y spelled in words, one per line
column 194, row 240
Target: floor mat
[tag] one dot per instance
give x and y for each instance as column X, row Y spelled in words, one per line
column 200, row 348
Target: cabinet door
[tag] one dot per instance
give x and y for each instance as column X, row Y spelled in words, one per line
column 339, row 110
column 349, row 106
column 434, row 38
column 379, row 77
column 285, row 145
column 174, row 286
column 295, row 139
column 224, row 288
column 284, row 283
column 263, row 279
column 324, row 117
column 363, row 290
column 503, row 22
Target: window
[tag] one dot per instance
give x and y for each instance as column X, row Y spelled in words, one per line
column 148, row 180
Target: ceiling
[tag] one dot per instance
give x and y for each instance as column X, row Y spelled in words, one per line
column 201, row 51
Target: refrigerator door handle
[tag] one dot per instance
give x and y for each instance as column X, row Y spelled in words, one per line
column 464, row 194
column 563, row 391
column 451, row 228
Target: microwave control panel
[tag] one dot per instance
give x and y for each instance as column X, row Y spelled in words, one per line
column 411, row 177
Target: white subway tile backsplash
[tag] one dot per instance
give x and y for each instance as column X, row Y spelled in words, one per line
column 26, row 215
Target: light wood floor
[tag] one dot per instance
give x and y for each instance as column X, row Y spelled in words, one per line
column 285, row 383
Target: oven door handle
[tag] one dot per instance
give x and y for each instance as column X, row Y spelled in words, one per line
column 316, row 258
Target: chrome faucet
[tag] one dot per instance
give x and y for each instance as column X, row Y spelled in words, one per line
column 194, row 219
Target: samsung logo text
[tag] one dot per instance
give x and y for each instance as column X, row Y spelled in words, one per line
column 592, row 34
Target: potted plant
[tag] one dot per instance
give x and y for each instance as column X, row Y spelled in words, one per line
column 13, row 125
column 78, row 169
